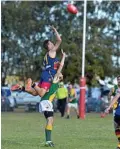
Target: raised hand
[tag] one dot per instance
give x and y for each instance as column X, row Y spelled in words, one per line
column 63, row 53
column 57, row 77
column 53, row 28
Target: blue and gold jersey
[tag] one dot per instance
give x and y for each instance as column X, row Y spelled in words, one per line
column 115, row 91
column 50, row 66
column 117, row 109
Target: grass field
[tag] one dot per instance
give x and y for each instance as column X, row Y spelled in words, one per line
column 26, row 131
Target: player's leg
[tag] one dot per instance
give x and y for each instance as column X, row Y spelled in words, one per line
column 47, row 108
column 76, row 110
column 44, row 84
column 39, row 89
column 44, row 87
column 63, row 106
column 68, row 110
column 58, row 105
column 16, row 87
column 117, row 129
column 27, row 88
column 48, row 129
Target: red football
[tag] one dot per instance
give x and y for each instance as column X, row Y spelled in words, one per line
column 102, row 115
column 72, row 9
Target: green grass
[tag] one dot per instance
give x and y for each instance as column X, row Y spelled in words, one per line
column 26, row 131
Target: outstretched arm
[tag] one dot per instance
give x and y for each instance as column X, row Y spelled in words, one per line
column 62, row 61
column 112, row 103
column 58, row 76
column 58, row 38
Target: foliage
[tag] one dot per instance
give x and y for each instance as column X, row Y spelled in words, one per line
column 25, row 25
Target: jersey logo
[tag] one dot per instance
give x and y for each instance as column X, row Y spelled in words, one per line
column 48, row 66
column 56, row 65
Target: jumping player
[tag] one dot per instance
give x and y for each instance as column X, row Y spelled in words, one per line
column 50, row 66
column 33, row 90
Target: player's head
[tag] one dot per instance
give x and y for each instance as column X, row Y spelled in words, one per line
column 118, row 79
column 47, row 44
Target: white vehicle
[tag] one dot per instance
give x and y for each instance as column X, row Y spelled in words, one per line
column 26, row 99
column 8, row 96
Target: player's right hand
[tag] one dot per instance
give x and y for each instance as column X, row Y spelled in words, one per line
column 107, row 110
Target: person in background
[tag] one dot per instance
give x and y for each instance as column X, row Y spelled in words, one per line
column 116, row 99
column 105, row 87
column 61, row 95
column 72, row 101
column 115, row 90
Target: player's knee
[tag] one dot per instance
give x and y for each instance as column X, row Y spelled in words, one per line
column 31, row 92
column 48, row 115
column 50, row 120
column 42, row 92
column 34, row 93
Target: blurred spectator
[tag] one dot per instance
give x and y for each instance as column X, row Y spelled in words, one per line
column 105, row 89
column 105, row 85
column 72, row 101
column 61, row 95
column 114, row 91
column 93, row 99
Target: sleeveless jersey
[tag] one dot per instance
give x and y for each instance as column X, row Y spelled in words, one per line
column 115, row 91
column 117, row 109
column 72, row 95
column 50, row 65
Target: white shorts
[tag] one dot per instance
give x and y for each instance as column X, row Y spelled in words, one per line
column 73, row 105
column 45, row 105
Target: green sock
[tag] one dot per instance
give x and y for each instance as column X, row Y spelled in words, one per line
column 48, row 135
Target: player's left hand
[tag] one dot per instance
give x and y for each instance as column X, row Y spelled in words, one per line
column 63, row 53
column 52, row 27
column 57, row 77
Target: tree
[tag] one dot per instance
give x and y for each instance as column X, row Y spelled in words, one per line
column 25, row 25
